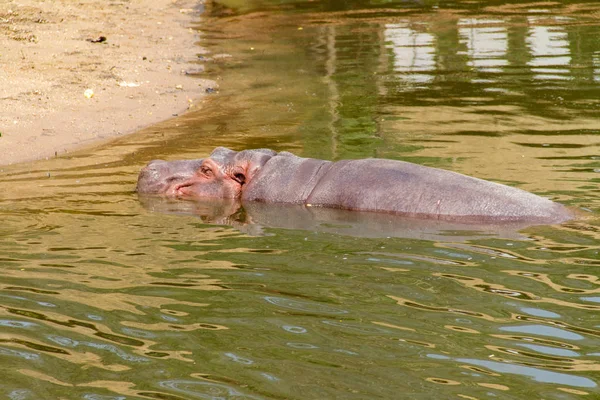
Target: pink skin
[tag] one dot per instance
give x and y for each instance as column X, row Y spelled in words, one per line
column 222, row 175
column 211, row 181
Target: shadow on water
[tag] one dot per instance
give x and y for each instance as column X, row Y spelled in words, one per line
column 101, row 298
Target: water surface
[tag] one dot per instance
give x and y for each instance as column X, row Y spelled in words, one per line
column 105, row 297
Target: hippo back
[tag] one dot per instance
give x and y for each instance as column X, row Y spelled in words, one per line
column 411, row 189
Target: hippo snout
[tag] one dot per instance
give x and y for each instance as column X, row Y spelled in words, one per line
column 150, row 177
column 160, row 177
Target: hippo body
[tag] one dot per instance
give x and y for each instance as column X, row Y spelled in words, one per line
column 376, row 185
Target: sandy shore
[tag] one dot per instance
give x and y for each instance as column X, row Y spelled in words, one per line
column 75, row 72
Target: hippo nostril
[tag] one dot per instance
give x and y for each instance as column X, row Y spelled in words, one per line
column 151, row 168
column 149, row 177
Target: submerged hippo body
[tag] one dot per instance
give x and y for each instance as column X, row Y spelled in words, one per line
column 367, row 185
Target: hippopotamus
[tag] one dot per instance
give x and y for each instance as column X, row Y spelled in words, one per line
column 372, row 184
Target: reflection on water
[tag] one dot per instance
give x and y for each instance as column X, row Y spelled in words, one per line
column 549, row 47
column 253, row 217
column 107, row 296
column 414, row 52
column 487, row 43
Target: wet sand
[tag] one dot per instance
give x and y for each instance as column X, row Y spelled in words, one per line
column 76, row 73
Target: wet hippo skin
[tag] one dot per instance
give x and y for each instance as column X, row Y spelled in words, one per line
column 376, row 185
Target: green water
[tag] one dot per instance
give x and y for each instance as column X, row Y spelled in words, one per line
column 104, row 296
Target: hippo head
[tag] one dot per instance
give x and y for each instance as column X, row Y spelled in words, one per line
column 221, row 175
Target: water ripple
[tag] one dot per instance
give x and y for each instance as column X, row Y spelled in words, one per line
column 204, row 390
column 17, row 324
column 543, row 330
column 304, row 306
column 537, row 374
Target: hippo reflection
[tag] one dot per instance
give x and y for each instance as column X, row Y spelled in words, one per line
column 375, row 185
column 253, row 217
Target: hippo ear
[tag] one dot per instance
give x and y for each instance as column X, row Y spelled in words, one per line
column 250, row 162
column 221, row 151
column 222, row 154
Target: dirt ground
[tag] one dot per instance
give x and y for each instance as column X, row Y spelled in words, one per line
column 75, row 72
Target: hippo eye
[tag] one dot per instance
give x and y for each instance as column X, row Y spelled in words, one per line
column 206, row 171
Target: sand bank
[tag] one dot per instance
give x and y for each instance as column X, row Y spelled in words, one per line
column 72, row 73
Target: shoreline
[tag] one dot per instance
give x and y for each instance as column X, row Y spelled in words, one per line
column 75, row 73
